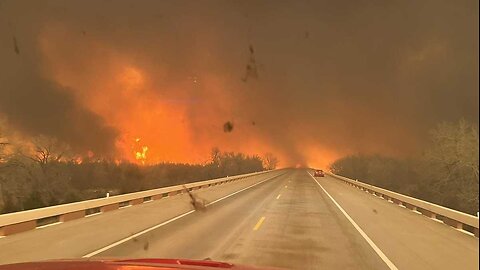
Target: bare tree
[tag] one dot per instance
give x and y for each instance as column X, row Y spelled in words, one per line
column 49, row 180
column 270, row 162
column 455, row 146
column 215, row 155
column 452, row 160
column 48, row 150
column 3, row 146
column 3, row 155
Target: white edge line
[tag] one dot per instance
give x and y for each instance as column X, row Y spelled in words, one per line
column 362, row 233
column 135, row 235
column 48, row 225
column 463, row 231
column 165, row 222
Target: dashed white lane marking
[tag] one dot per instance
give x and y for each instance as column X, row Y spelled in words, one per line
column 362, row 233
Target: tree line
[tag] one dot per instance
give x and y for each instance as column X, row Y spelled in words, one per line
column 446, row 173
column 44, row 176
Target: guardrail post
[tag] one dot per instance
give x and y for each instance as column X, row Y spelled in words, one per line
column 157, row 197
column 429, row 214
column 71, row 216
column 109, row 207
column 136, row 201
column 398, row 202
column 411, row 207
column 18, row 227
column 459, row 225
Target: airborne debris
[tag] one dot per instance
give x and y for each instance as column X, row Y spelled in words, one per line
column 375, row 211
column 251, row 69
column 197, row 203
column 146, row 246
column 228, row 127
column 15, row 45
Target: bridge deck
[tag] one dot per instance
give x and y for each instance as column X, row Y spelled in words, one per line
column 288, row 221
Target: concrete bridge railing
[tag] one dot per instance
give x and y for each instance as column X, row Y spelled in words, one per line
column 456, row 219
column 28, row 220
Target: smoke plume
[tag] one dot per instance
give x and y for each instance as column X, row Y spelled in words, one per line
column 309, row 81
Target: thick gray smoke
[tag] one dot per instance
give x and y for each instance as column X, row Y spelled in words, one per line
column 36, row 105
column 342, row 77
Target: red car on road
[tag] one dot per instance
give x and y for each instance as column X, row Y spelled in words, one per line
column 318, row 173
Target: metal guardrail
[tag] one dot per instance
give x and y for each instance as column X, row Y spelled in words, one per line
column 27, row 220
column 456, row 219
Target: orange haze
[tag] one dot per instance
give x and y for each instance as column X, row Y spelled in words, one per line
column 153, row 128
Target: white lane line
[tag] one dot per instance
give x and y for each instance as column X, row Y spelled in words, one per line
column 362, row 233
column 48, row 225
column 135, row 235
column 166, row 222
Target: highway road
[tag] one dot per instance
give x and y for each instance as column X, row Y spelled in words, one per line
column 284, row 219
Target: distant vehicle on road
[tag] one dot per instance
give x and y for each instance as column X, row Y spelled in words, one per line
column 318, row 173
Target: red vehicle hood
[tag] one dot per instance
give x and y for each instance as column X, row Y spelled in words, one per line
column 128, row 264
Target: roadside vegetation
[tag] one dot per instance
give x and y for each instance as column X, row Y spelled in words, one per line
column 48, row 176
column 446, row 173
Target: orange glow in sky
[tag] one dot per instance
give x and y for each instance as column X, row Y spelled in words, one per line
column 153, row 115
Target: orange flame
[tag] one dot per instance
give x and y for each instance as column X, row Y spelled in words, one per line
column 141, row 154
column 140, row 100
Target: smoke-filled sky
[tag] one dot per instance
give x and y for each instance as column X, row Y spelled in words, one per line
column 309, row 81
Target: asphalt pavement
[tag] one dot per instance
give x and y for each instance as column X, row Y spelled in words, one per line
column 285, row 219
